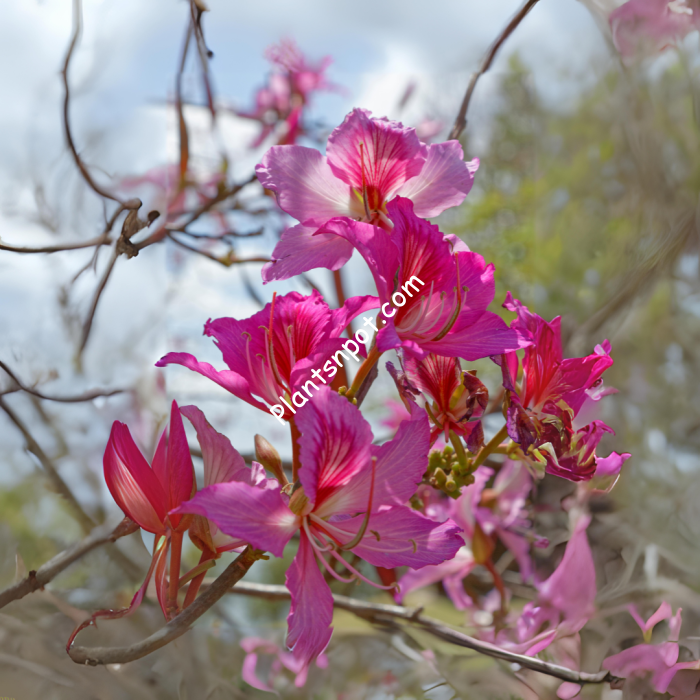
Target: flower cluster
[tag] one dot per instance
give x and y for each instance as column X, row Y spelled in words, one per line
column 438, row 501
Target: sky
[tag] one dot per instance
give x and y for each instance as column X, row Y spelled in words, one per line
column 121, row 78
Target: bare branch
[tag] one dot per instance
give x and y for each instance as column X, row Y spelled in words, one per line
column 100, row 191
column 45, row 573
column 60, row 486
column 100, row 240
column 379, row 613
column 486, row 61
column 225, row 260
column 87, row 396
column 177, row 626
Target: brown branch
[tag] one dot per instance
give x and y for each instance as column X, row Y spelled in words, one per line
column 52, row 568
column 177, row 626
column 225, row 260
column 98, row 241
column 60, row 486
column 378, row 613
column 461, row 120
column 87, row 396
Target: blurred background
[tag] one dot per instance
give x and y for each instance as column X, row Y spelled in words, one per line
column 586, row 201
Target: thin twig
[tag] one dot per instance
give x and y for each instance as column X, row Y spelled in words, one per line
column 100, row 240
column 379, row 613
column 177, row 626
column 87, row 396
column 100, row 191
column 461, row 120
column 52, row 568
column 60, row 486
column 225, row 260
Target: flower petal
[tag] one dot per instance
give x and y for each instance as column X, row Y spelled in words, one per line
column 334, row 444
column 400, row 536
column 304, row 183
column 257, row 515
column 132, row 483
column 444, row 181
column 229, row 380
column 391, row 154
column 458, row 567
column 302, row 248
column 311, row 612
column 222, row 462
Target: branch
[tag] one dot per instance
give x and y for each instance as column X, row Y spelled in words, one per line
column 177, row 626
column 461, row 120
column 45, row 573
column 60, row 486
column 77, row 26
column 100, row 240
column 87, row 396
column 225, row 260
column 378, row 613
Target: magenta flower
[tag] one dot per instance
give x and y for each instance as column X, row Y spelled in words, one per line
column 271, row 355
column 351, row 497
column 547, row 413
column 659, row 661
column 368, row 162
column 439, row 295
column 454, row 398
column 483, row 514
column 287, row 92
column 644, row 26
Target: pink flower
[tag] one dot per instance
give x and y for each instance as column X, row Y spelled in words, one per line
column 351, row 497
column 439, row 295
column 254, row 646
column 652, row 25
column 458, row 397
column 368, row 162
column 659, row 661
column 272, row 353
column 483, row 514
column 287, row 92
column 543, row 414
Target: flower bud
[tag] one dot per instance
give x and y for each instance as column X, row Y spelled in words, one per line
column 270, row 458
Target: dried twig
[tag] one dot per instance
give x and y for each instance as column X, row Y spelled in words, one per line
column 99, row 241
column 225, row 260
column 45, row 573
column 60, row 486
column 87, row 396
column 461, row 120
column 381, row 614
column 177, row 626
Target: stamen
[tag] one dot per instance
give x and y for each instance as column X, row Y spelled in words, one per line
column 355, row 572
column 318, row 552
column 363, row 528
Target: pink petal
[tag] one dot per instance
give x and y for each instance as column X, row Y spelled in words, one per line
column 566, row 691
column 257, row 515
column 351, row 309
column 132, row 483
column 444, row 181
column 400, row 536
column 222, row 462
column 304, row 183
column 229, row 380
column 334, row 445
column 301, row 249
column 249, row 676
column 392, row 154
column 311, row 612
column 458, row 568
column 663, row 613
column 172, row 463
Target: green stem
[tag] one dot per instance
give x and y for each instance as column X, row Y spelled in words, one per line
column 372, row 358
column 201, row 568
column 459, row 449
column 489, row 448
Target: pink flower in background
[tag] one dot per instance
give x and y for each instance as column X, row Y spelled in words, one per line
column 482, row 514
column 440, row 295
column 548, row 409
column 658, row 661
column 287, row 92
column 351, row 497
column 643, row 26
column 368, row 162
column 272, row 353
column 254, row 646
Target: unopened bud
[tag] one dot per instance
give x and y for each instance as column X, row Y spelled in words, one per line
column 482, row 546
column 440, row 477
column 270, row 458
